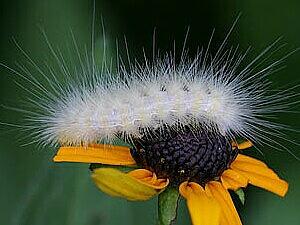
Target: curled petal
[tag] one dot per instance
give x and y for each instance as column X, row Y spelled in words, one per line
column 96, row 153
column 204, row 210
column 229, row 215
column 233, row 180
column 148, row 178
column 131, row 185
column 259, row 174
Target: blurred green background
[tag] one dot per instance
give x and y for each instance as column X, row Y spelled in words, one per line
column 34, row 190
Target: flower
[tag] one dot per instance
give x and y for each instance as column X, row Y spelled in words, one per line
column 208, row 200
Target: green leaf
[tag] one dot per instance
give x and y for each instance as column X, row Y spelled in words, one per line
column 167, row 206
column 240, row 193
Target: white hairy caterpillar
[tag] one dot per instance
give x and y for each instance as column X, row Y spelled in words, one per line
column 204, row 92
column 187, row 95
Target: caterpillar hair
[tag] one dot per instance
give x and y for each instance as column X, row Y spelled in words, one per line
column 205, row 92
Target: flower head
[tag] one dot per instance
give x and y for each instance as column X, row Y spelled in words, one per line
column 203, row 166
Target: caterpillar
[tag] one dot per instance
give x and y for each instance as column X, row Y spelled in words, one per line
column 204, row 92
column 151, row 97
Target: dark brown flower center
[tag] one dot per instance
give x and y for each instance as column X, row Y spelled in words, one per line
column 186, row 156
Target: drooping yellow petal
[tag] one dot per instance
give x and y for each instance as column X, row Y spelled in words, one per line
column 204, row 210
column 128, row 185
column 259, row 174
column 229, row 215
column 244, row 145
column 96, row 153
column 233, row 180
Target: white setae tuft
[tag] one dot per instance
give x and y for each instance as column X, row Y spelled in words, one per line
column 205, row 92
column 200, row 93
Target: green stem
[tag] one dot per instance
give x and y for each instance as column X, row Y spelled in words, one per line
column 167, row 206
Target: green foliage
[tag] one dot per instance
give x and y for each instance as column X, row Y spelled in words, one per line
column 167, row 206
column 241, row 194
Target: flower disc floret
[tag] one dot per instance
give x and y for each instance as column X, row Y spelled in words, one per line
column 199, row 156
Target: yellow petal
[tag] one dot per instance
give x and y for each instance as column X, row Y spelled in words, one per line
column 233, row 180
column 229, row 215
column 259, row 174
column 148, row 178
column 244, row 145
column 118, row 184
column 204, row 210
column 246, row 160
column 96, row 153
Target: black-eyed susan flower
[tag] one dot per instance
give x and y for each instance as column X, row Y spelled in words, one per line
column 203, row 166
